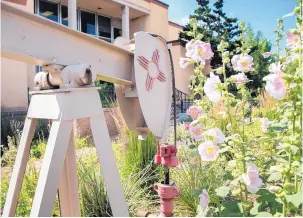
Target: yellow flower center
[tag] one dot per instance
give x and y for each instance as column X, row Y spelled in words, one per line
column 244, row 64
column 198, row 132
column 210, row 151
column 200, row 52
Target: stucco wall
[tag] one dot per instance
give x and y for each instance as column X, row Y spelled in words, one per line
column 13, row 84
column 156, row 22
column 181, row 75
column 16, row 76
column 173, row 31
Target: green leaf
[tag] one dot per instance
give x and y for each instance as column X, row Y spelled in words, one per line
column 264, row 214
column 294, row 149
column 295, row 199
column 190, row 33
column 192, row 146
column 231, row 208
column 222, row 191
column 274, row 177
column 255, row 209
column 200, row 36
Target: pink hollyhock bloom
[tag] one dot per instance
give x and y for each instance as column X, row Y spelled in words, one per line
column 211, row 88
column 275, row 68
column 266, row 54
column 217, row 134
column 251, row 178
column 184, row 62
column 204, row 199
column 264, row 124
column 190, row 48
column 243, row 63
column 208, row 151
column 186, row 125
column 196, row 132
column 202, row 52
column 275, row 85
column 194, row 112
column 239, row 78
column 292, row 39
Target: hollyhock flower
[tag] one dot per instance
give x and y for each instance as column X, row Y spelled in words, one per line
column 202, row 52
column 239, row 78
column 211, row 88
column 204, row 199
column 190, row 48
column 275, row 68
column 243, row 63
column 264, row 124
column 251, row 178
column 217, row 134
column 186, row 125
column 275, row 85
column 196, row 132
column 292, row 39
column 194, row 112
column 266, row 54
column 184, row 62
column 208, row 151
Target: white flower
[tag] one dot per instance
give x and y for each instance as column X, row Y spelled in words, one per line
column 211, row 88
column 242, row 63
column 264, row 122
column 204, row 199
column 274, row 68
column 217, row 134
column 275, row 85
column 251, row 178
column 190, row 48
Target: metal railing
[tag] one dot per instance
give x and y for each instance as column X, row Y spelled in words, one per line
column 183, row 101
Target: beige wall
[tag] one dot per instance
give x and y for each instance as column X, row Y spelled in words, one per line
column 13, row 84
column 16, row 76
column 173, row 31
column 156, row 22
column 181, row 75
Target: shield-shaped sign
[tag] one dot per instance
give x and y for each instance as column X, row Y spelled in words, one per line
column 153, row 81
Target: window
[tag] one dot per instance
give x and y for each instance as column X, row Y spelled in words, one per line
column 49, row 10
column 88, row 23
column 64, row 15
column 104, row 27
column 117, row 32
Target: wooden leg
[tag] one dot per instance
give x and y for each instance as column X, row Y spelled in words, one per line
column 19, row 167
column 68, row 188
column 51, row 168
column 108, row 166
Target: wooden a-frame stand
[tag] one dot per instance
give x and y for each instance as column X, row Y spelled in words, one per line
column 62, row 106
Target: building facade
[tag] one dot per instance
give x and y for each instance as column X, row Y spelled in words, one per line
column 104, row 19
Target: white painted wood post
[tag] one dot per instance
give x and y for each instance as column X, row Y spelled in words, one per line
column 68, row 188
column 108, row 166
column 125, row 22
column 72, row 14
column 19, row 168
column 51, row 168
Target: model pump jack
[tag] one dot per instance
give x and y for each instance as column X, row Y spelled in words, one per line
column 71, row 62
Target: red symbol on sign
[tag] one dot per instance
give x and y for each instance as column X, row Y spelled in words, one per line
column 152, row 69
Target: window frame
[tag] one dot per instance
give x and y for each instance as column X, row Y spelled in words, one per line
column 59, row 5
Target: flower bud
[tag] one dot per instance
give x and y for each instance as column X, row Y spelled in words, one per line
column 275, row 189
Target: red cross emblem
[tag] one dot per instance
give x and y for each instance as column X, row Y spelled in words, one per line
column 152, row 69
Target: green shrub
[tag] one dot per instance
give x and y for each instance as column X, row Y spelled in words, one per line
column 9, row 153
column 38, row 148
column 82, row 142
column 27, row 192
column 93, row 195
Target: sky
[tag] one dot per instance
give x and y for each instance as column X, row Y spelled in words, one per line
column 261, row 14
